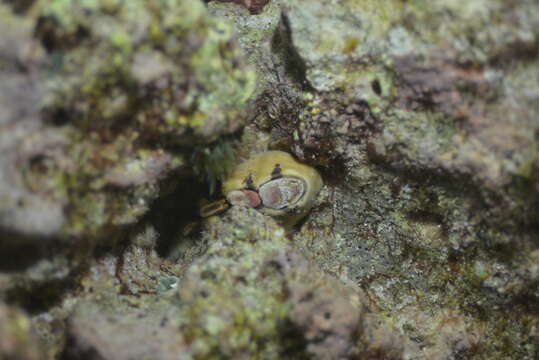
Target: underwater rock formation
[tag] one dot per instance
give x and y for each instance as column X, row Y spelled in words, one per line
column 421, row 118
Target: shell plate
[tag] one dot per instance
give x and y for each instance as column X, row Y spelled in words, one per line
column 282, row 193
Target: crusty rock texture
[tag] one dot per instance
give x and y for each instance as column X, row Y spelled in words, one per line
column 17, row 340
column 120, row 119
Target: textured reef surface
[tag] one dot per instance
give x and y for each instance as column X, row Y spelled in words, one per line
column 120, row 121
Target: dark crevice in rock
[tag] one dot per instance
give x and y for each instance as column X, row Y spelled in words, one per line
column 335, row 173
column 46, row 31
column 37, row 297
column 18, row 252
column 294, row 342
column 462, row 184
column 73, row 352
column 516, row 52
column 20, row 6
column 295, row 67
column 176, row 213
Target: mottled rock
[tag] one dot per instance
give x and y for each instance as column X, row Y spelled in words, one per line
column 254, row 6
column 17, row 339
column 271, row 302
column 423, row 122
column 169, row 71
column 97, row 334
column 94, row 93
column 25, row 209
column 421, row 119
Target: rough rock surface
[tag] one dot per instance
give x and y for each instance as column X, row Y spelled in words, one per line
column 95, row 334
column 421, row 117
column 426, row 129
column 17, row 341
column 271, row 303
column 97, row 99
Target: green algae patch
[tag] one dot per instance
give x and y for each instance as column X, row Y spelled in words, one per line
column 352, row 34
column 137, row 90
column 252, row 294
column 169, row 69
column 18, row 338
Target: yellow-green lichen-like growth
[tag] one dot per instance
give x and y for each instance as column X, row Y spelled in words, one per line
column 165, row 67
column 276, row 184
column 213, row 162
column 17, row 338
column 127, row 80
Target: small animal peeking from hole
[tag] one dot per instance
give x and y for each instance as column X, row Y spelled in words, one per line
column 273, row 183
